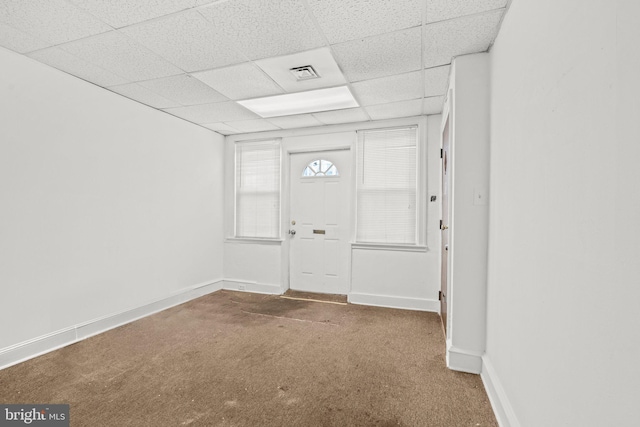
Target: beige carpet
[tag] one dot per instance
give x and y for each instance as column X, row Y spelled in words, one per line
column 240, row 359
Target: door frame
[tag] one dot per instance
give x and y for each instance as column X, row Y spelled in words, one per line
column 447, row 118
column 286, row 218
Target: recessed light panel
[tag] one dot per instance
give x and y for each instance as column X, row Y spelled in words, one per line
column 313, row 101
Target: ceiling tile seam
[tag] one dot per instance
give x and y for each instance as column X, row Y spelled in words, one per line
column 151, row 51
column 438, row 66
column 44, row 42
column 361, row 108
column 284, row 91
column 225, row 40
column 329, row 45
column 110, row 89
column 63, row 43
column 85, row 11
column 85, row 80
column 150, row 80
column 396, row 74
column 79, row 59
column 145, row 21
column 172, row 99
column 378, row 35
column 180, row 104
column 471, row 15
column 146, row 105
column 268, row 130
column 419, row 97
column 226, row 124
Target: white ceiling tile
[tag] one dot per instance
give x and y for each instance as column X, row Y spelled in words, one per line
column 297, row 121
column 222, row 128
column 120, row 13
column 440, row 10
column 395, row 109
column 436, row 80
column 203, row 2
column 350, row 115
column 240, row 81
column 344, row 20
column 433, row 105
column 184, row 89
column 471, row 34
column 322, row 61
column 19, row 41
column 380, row 56
column 73, row 65
column 54, row 21
column 265, row 28
column 213, row 113
column 116, row 53
column 389, row 89
column 258, row 125
column 187, row 40
column 144, row 95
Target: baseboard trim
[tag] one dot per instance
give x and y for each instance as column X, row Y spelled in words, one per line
column 499, row 402
column 255, row 287
column 420, row 304
column 463, row 360
column 26, row 350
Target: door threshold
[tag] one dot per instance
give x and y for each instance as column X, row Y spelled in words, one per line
column 315, row 297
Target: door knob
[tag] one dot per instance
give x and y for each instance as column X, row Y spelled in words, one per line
column 444, row 227
column 292, row 232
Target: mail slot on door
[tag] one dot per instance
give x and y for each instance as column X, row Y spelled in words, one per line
column 318, row 232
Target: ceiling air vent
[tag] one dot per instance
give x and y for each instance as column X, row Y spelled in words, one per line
column 304, row 73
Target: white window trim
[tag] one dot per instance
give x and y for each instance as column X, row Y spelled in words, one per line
column 254, row 240
column 421, row 188
column 388, row 247
column 235, row 238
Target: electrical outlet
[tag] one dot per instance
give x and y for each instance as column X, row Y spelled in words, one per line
column 242, row 287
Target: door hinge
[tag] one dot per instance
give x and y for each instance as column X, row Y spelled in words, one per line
column 439, row 295
column 441, row 153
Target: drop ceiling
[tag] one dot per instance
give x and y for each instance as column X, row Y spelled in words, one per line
column 195, row 58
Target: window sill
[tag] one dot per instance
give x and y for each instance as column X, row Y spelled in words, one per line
column 253, row 240
column 389, row 247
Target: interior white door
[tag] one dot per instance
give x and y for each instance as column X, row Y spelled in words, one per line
column 319, row 221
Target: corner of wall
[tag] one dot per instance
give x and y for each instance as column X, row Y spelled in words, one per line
column 497, row 396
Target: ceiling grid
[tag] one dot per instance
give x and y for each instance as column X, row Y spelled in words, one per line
column 195, row 58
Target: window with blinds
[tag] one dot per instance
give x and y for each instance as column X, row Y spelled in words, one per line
column 386, row 186
column 257, row 189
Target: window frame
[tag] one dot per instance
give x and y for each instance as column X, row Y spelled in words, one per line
column 419, row 237
column 236, row 236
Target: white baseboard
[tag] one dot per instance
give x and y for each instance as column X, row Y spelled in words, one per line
column 255, row 287
column 463, row 360
column 420, row 304
column 499, row 402
column 26, row 350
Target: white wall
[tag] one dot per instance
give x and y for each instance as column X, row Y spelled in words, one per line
column 106, row 204
column 563, row 330
column 404, row 279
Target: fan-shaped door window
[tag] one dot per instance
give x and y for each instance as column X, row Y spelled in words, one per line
column 320, row 168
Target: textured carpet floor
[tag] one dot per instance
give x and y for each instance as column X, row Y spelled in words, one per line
column 240, row 359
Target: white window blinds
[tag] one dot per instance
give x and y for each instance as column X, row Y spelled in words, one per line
column 386, row 186
column 258, row 189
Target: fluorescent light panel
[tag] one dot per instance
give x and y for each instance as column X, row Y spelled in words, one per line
column 313, row 101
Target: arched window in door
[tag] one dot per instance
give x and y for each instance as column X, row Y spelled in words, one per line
column 320, row 168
